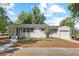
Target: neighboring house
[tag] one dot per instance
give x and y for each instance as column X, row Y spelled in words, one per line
column 38, row 31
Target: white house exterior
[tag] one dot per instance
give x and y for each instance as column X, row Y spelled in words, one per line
column 25, row 30
column 38, row 31
column 64, row 32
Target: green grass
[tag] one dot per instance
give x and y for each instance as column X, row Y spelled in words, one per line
column 77, row 35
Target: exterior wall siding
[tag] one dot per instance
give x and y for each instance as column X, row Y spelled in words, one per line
column 38, row 34
column 34, row 34
column 61, row 32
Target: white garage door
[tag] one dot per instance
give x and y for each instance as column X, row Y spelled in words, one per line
column 65, row 34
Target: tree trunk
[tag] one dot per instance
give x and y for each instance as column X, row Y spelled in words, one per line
column 47, row 35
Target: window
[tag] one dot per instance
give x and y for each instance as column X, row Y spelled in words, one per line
column 42, row 29
column 54, row 31
column 30, row 29
column 64, row 30
column 24, row 29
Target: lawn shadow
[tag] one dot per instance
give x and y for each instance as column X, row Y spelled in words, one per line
column 8, row 51
column 11, row 50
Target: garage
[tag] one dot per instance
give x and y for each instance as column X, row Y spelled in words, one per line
column 64, row 32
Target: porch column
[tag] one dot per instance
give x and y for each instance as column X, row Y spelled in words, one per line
column 18, row 31
column 11, row 34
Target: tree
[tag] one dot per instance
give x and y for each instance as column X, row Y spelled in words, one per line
column 2, row 26
column 38, row 18
column 21, row 18
column 3, row 20
column 33, row 17
column 74, row 8
column 68, row 21
column 9, row 22
column 42, row 19
column 24, row 18
column 35, row 14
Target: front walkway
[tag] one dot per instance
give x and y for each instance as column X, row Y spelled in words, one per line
column 5, row 47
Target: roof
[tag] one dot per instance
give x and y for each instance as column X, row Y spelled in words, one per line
column 29, row 25
column 64, row 28
column 54, row 27
column 33, row 26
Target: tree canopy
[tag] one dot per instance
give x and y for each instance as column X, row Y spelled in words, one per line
column 33, row 17
column 3, row 20
column 74, row 8
column 22, row 18
column 71, row 20
column 68, row 21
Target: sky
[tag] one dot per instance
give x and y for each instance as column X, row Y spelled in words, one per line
column 54, row 12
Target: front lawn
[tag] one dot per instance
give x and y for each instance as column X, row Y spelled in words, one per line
column 77, row 35
column 50, row 42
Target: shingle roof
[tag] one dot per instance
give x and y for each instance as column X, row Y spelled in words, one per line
column 29, row 25
column 54, row 27
column 33, row 26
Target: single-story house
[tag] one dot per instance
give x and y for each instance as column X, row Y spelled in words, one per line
column 24, row 30
column 38, row 31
